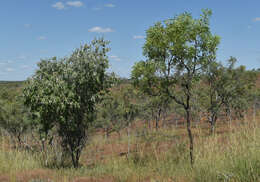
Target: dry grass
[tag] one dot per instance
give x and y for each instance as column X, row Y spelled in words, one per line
column 232, row 155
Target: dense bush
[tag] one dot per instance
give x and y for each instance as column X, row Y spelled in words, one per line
column 63, row 93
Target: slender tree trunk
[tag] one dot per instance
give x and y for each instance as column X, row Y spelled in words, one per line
column 230, row 117
column 107, row 133
column 43, row 145
column 156, row 123
column 158, row 119
column 212, row 129
column 213, row 120
column 75, row 157
column 190, row 135
column 164, row 119
column 73, row 160
column 19, row 140
column 128, row 139
column 254, row 111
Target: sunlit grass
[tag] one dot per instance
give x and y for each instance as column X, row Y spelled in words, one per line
column 157, row 156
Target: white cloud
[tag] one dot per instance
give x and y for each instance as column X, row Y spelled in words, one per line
column 76, row 4
column 100, row 30
column 257, row 19
column 9, row 69
column 25, row 66
column 43, row 51
column 96, row 9
column 21, row 57
column 59, row 6
column 6, row 62
column 42, row 38
column 116, row 58
column 9, row 61
column 138, row 37
column 110, row 5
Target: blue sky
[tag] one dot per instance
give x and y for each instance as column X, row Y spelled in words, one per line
column 36, row 29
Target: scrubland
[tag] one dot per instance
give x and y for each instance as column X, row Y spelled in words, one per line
column 232, row 154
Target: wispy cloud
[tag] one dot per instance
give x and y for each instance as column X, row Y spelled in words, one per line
column 110, row 5
column 100, row 30
column 22, row 57
column 42, row 38
column 116, row 58
column 96, row 9
column 9, row 61
column 43, row 51
column 6, row 62
column 63, row 5
column 9, row 69
column 59, row 6
column 76, row 4
column 138, row 37
column 25, row 66
column 257, row 19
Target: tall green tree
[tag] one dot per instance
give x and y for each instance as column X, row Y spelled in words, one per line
column 178, row 51
column 64, row 93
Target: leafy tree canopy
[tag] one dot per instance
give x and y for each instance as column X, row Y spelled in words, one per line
column 63, row 93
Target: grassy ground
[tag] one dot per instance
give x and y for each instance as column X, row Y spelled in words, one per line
column 232, row 155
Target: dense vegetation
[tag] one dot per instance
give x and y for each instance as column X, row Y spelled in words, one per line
column 75, row 118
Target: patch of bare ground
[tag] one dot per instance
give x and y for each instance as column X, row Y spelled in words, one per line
column 92, row 179
column 4, row 178
column 39, row 175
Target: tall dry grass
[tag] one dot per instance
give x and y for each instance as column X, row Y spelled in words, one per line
column 231, row 156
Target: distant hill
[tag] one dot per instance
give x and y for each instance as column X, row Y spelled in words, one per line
column 11, row 84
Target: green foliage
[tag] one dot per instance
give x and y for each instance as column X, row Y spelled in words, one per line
column 110, row 114
column 179, row 50
column 64, row 93
column 240, row 87
column 118, row 109
column 155, row 108
column 227, row 88
column 130, row 106
column 14, row 116
column 15, row 119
